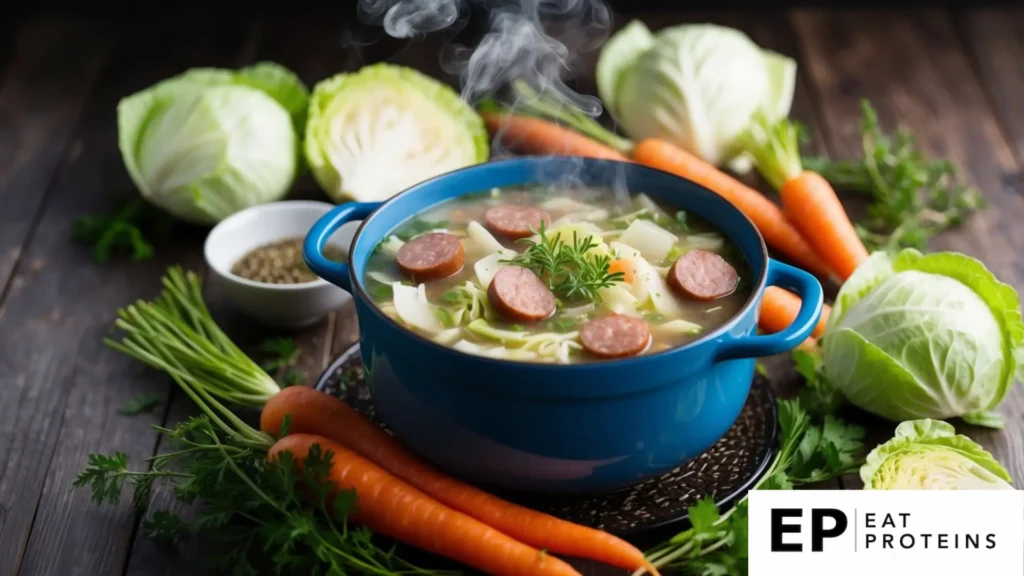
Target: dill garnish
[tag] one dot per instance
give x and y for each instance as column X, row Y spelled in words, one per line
column 569, row 269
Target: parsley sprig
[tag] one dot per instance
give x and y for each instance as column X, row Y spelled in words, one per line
column 913, row 197
column 262, row 516
column 127, row 231
column 569, row 269
column 142, row 402
column 810, row 451
column 283, row 357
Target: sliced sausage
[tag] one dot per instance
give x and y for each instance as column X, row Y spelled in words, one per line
column 515, row 221
column 615, row 336
column 702, row 275
column 432, row 256
column 518, row 294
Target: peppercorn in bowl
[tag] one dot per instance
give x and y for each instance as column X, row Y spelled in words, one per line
column 255, row 259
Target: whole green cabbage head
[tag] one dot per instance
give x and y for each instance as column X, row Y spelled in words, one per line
column 696, row 85
column 929, row 455
column 924, row 336
column 210, row 142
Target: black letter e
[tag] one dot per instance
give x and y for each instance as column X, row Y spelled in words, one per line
column 779, row 528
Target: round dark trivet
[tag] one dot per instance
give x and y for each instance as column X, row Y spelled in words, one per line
column 725, row 472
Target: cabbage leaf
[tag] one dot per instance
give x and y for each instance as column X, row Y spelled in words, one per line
column 924, row 336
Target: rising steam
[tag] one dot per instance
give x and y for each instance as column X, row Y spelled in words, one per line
column 520, row 43
column 516, row 45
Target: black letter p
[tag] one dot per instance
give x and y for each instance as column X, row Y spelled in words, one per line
column 818, row 532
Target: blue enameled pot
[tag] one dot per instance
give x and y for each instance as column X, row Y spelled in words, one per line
column 542, row 427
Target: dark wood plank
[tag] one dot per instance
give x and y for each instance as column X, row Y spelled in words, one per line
column 149, row 558
column 71, row 392
column 221, row 43
column 995, row 40
column 41, row 97
column 315, row 49
column 8, row 35
column 913, row 68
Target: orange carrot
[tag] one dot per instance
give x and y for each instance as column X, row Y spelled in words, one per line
column 808, row 200
column 531, row 135
column 393, row 508
column 622, row 265
column 812, row 206
column 768, row 217
column 315, row 412
column 779, row 308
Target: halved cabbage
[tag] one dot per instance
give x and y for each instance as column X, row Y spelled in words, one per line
column 929, row 455
column 378, row 131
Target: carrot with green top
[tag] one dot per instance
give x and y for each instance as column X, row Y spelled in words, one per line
column 314, row 412
column 534, row 109
column 808, row 200
column 777, row 230
column 393, row 508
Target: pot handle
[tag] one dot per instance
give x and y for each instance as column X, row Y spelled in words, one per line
column 812, row 298
column 313, row 248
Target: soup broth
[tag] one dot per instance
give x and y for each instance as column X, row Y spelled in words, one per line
column 558, row 275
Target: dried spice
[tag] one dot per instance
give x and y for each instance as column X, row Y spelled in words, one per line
column 281, row 263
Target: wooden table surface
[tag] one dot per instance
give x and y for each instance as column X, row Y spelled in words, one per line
column 955, row 79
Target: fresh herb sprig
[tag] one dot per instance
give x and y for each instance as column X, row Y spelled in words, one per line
column 144, row 402
column 913, row 197
column 810, row 451
column 128, row 231
column 261, row 516
column 282, row 351
column 570, row 270
column 818, row 395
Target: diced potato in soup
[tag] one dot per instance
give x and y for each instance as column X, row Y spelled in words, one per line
column 558, row 275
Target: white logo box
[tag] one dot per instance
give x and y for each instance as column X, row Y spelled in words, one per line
column 930, row 533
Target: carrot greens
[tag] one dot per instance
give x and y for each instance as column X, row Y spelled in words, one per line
column 259, row 516
column 913, row 197
column 175, row 333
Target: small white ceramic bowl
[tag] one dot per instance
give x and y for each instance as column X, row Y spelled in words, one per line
column 279, row 305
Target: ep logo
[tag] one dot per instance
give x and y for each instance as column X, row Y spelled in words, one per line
column 823, row 523
column 885, row 533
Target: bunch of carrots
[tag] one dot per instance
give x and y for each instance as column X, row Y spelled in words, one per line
column 397, row 494
column 811, row 228
column 402, row 497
